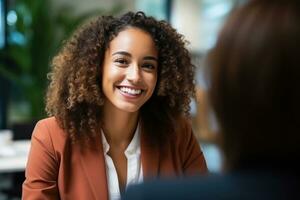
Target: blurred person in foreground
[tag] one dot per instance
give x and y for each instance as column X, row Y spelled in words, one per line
column 118, row 102
column 254, row 74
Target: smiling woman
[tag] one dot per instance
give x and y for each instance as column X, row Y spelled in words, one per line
column 118, row 103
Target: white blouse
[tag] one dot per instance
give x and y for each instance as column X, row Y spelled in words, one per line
column 134, row 167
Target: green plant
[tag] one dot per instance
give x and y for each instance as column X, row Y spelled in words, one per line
column 43, row 30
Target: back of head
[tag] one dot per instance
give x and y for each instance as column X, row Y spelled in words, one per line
column 255, row 79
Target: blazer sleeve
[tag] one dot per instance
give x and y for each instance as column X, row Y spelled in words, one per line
column 193, row 161
column 42, row 166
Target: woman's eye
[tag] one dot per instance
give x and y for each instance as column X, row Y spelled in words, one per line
column 121, row 61
column 148, row 66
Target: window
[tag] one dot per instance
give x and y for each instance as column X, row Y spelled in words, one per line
column 2, row 24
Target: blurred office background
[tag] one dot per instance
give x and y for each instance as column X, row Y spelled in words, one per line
column 31, row 32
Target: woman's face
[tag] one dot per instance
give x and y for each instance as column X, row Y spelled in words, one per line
column 129, row 70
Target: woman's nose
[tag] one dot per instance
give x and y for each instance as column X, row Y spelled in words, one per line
column 133, row 73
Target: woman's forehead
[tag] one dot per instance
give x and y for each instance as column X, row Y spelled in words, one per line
column 133, row 39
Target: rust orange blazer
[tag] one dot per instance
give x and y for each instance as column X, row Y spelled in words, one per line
column 59, row 169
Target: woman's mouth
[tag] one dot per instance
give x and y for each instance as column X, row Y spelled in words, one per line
column 130, row 91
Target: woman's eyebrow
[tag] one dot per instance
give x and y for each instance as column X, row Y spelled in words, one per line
column 150, row 58
column 125, row 53
column 122, row 53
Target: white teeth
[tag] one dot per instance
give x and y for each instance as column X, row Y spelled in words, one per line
column 130, row 90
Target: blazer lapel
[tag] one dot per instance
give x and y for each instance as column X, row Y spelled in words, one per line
column 149, row 157
column 93, row 164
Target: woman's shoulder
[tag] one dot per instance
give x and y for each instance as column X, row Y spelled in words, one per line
column 181, row 131
column 49, row 128
column 184, row 134
column 49, row 121
column 183, row 125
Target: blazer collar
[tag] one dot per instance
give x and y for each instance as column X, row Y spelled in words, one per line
column 93, row 164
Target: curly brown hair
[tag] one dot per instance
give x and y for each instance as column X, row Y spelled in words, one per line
column 75, row 96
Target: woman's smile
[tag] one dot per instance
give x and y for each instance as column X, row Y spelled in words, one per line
column 130, row 92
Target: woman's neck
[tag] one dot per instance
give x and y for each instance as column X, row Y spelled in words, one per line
column 119, row 126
